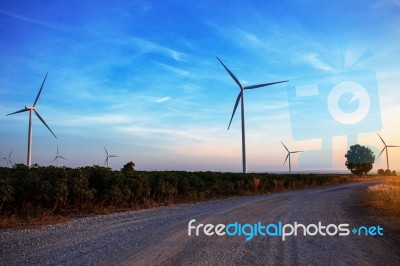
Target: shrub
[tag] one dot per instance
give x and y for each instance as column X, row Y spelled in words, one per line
column 381, row 172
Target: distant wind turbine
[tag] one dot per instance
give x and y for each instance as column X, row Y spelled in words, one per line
column 108, row 156
column 30, row 109
column 240, row 98
column 8, row 158
column 288, row 156
column 58, row 156
column 386, row 148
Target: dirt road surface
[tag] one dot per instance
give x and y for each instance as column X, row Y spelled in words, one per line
column 160, row 236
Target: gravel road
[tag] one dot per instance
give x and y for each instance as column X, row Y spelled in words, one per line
column 160, row 235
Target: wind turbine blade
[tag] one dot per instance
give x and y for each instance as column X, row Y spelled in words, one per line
column 106, row 150
column 63, row 158
column 285, row 146
column 381, row 152
column 392, row 146
column 40, row 91
column 41, row 119
column 105, row 161
column 381, row 139
column 55, row 158
column 234, row 109
column 263, row 85
column 286, row 158
column 231, row 74
column 296, row 151
column 10, row 153
column 113, row 156
column 20, row 111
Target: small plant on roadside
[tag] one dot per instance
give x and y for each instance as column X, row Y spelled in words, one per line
column 386, row 196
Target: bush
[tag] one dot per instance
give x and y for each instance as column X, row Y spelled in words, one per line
column 130, row 166
column 381, row 172
column 387, row 172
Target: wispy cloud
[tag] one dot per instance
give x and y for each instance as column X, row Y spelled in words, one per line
column 29, row 20
column 103, row 119
column 176, row 70
column 164, row 131
column 249, row 37
column 147, row 46
column 164, row 99
column 314, row 60
column 192, row 140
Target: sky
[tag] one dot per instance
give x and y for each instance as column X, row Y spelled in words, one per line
column 142, row 79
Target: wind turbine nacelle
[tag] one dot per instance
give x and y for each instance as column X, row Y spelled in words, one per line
column 29, row 107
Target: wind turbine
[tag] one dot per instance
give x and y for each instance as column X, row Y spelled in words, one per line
column 30, row 109
column 386, row 148
column 240, row 98
column 288, row 156
column 108, row 156
column 8, row 158
column 58, row 156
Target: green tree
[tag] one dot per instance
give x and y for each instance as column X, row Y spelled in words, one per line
column 381, row 172
column 359, row 159
column 129, row 166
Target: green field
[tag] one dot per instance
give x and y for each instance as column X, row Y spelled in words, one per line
column 28, row 193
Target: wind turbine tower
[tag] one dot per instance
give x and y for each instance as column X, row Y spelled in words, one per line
column 57, row 157
column 30, row 109
column 240, row 98
column 108, row 156
column 288, row 156
column 386, row 148
column 8, row 158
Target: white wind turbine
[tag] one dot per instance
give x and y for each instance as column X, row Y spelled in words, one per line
column 58, row 156
column 8, row 158
column 30, row 109
column 386, row 148
column 288, row 156
column 108, row 156
column 240, row 98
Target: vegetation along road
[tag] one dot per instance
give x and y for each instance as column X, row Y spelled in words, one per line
column 160, row 235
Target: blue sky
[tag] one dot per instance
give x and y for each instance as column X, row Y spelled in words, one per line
column 141, row 78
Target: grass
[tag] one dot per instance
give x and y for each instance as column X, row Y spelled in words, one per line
column 385, row 197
